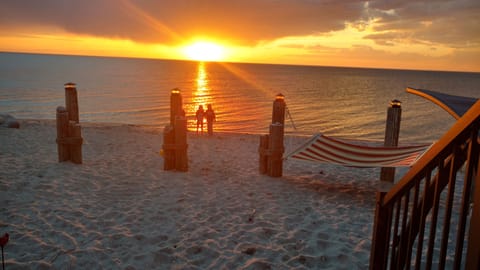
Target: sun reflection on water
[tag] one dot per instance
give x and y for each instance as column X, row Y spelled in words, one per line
column 202, row 94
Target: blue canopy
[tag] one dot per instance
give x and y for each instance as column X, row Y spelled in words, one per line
column 457, row 106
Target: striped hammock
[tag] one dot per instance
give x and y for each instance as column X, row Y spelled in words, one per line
column 324, row 149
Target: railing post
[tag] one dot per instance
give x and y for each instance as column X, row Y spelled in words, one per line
column 381, row 234
column 392, row 132
column 473, row 250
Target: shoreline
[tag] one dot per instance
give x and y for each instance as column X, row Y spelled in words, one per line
column 119, row 209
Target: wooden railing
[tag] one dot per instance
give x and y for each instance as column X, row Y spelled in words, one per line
column 430, row 219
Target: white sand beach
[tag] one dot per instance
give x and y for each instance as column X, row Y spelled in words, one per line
column 121, row 210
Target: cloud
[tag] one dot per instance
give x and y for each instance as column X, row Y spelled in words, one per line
column 241, row 21
column 440, row 23
column 452, row 23
column 366, row 56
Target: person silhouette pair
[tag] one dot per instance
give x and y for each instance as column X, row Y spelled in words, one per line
column 209, row 114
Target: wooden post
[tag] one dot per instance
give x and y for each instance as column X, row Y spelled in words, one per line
column 473, row 249
column 75, row 142
column 168, row 148
column 262, row 152
column 71, row 101
column 69, row 133
column 380, row 235
column 181, row 160
column 271, row 159
column 392, row 132
column 276, row 149
column 175, row 136
column 175, row 105
column 62, row 134
column 278, row 112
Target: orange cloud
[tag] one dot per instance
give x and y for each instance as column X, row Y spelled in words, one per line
column 286, row 31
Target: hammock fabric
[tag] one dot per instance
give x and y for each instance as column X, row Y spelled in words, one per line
column 454, row 105
column 341, row 152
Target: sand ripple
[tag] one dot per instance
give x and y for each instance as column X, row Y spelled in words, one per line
column 120, row 210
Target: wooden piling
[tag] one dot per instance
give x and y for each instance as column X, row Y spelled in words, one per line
column 176, row 109
column 75, row 142
column 175, row 136
column 276, row 149
column 62, row 134
column 69, row 133
column 168, row 148
column 392, row 132
column 275, row 141
column 278, row 111
column 181, row 160
column 263, row 155
column 271, row 146
column 71, row 101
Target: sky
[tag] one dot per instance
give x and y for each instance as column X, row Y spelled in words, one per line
column 401, row 34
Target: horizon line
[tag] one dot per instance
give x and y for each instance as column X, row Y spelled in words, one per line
column 238, row 62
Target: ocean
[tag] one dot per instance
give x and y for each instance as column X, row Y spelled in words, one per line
column 338, row 101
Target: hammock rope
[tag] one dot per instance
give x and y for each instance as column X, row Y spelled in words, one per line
column 290, row 117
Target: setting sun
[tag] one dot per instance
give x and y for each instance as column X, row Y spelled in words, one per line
column 204, row 51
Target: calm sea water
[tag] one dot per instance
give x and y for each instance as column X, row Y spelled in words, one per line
column 347, row 102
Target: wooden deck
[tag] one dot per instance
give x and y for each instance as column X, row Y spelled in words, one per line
column 422, row 218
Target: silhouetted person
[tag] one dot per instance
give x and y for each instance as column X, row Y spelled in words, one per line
column 199, row 116
column 210, row 115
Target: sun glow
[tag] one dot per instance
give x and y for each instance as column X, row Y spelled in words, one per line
column 204, row 51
